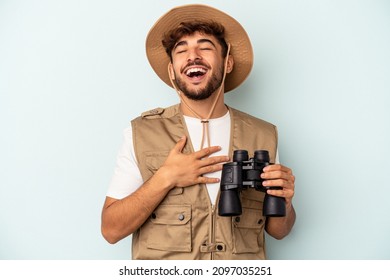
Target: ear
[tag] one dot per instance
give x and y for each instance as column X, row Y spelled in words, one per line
column 230, row 64
column 171, row 73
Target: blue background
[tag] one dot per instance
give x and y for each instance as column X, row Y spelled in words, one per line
column 74, row 73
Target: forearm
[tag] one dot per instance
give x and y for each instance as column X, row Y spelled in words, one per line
column 120, row 218
column 279, row 227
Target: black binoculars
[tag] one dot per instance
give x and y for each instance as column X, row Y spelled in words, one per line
column 241, row 174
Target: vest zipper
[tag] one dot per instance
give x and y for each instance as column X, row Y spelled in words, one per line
column 212, row 235
column 214, row 220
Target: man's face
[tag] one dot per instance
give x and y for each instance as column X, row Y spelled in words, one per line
column 197, row 65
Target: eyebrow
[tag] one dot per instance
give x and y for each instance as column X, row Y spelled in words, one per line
column 200, row 41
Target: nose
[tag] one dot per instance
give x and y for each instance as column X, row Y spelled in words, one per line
column 193, row 55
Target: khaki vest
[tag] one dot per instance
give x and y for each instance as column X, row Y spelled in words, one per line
column 185, row 225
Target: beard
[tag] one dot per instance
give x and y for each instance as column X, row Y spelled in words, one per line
column 202, row 93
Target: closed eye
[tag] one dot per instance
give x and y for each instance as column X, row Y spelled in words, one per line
column 180, row 50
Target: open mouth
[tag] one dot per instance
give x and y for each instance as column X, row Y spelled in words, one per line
column 195, row 72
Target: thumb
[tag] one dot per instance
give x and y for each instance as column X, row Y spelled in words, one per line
column 180, row 144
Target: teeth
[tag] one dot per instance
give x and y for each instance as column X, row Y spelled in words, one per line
column 193, row 70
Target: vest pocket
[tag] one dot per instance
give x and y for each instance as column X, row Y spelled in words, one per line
column 248, row 231
column 169, row 228
column 153, row 161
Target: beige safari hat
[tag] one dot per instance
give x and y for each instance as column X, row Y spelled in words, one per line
column 235, row 35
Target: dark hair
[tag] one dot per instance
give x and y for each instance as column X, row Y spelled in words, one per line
column 188, row 28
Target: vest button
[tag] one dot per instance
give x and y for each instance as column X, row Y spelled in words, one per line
column 237, row 219
column 153, row 216
column 181, row 217
column 260, row 221
column 219, row 247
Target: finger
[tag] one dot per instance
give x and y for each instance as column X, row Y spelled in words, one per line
column 282, row 193
column 279, row 183
column 180, row 144
column 207, row 151
column 277, row 167
column 271, row 175
column 207, row 180
column 214, row 160
column 210, row 169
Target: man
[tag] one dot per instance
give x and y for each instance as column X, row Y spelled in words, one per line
column 166, row 184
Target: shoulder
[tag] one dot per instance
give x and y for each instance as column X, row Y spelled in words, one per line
column 159, row 113
column 249, row 119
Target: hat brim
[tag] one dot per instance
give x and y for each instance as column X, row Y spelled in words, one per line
column 235, row 35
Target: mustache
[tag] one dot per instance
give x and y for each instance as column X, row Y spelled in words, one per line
column 196, row 62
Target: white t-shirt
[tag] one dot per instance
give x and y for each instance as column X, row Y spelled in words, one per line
column 127, row 177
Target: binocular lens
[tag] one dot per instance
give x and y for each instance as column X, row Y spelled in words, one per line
column 274, row 206
column 229, row 203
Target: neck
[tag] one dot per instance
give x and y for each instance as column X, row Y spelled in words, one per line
column 203, row 107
